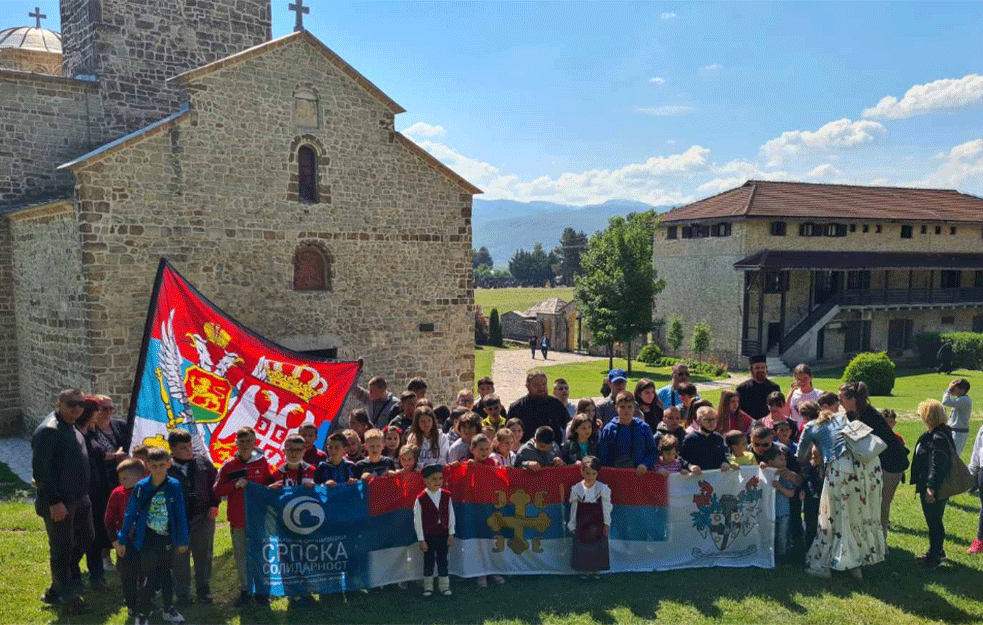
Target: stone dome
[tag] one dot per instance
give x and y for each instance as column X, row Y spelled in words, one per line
column 30, row 38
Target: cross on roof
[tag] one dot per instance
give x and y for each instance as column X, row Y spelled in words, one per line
column 41, row 16
column 301, row 11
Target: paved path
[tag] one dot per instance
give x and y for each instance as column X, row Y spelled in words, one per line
column 16, row 454
column 510, row 366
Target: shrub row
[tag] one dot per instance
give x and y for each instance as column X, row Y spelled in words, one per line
column 967, row 348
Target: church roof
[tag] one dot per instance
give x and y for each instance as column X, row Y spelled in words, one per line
column 30, row 38
column 263, row 48
column 129, row 139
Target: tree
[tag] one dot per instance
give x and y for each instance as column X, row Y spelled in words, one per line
column 481, row 258
column 533, row 268
column 619, row 283
column 572, row 244
column 675, row 337
column 480, row 327
column 702, row 336
column 494, row 329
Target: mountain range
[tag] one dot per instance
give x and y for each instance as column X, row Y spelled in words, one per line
column 504, row 226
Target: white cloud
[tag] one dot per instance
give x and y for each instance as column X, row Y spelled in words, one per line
column 824, row 172
column 713, row 67
column 668, row 110
column 657, row 80
column 657, row 180
column 670, row 142
column 838, row 134
column 962, row 167
column 719, row 185
column 939, row 95
column 423, row 130
column 668, row 15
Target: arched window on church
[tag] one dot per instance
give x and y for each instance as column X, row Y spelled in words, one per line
column 312, row 268
column 307, row 174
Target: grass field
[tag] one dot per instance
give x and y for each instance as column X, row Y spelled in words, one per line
column 484, row 355
column 585, row 377
column 517, row 299
column 897, row 591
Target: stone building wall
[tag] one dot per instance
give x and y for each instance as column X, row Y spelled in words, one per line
column 10, row 421
column 52, row 340
column 134, row 46
column 37, row 61
column 967, row 238
column 701, row 283
column 44, row 122
column 211, row 194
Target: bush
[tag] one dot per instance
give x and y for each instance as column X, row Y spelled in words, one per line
column 967, row 349
column 928, row 344
column 649, row 354
column 708, row 368
column 873, row 369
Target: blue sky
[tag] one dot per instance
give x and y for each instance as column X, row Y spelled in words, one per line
column 668, row 102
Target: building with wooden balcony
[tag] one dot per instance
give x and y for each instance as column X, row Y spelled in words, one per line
column 814, row 272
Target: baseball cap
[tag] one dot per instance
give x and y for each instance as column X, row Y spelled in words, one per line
column 616, row 375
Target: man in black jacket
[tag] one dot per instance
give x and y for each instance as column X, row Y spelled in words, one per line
column 538, row 408
column 60, row 465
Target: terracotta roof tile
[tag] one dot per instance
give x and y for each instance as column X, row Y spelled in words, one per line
column 757, row 198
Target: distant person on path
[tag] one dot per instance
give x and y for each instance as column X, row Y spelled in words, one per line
column 754, row 392
column 60, row 465
column 945, row 357
column 545, row 346
column 533, row 343
column 538, row 408
column 957, row 398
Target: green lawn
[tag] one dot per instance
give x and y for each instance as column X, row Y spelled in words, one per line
column 517, row 299
column 484, row 355
column 897, row 591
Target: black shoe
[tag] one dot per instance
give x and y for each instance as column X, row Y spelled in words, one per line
column 51, row 597
column 931, row 563
column 183, row 601
column 244, row 599
column 262, row 600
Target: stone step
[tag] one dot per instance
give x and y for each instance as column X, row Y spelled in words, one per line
column 777, row 367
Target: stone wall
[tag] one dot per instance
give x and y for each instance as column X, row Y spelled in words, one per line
column 134, row 46
column 10, row 421
column 37, row 61
column 701, row 283
column 211, row 195
column 967, row 238
column 44, row 122
column 50, row 307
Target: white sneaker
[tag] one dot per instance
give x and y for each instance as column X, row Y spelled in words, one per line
column 141, row 620
column 172, row 616
column 107, row 565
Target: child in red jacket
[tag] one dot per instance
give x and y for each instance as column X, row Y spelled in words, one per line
column 130, row 472
column 247, row 465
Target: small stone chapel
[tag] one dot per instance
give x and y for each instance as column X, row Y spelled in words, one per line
column 269, row 172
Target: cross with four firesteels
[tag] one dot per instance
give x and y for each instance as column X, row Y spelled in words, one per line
column 301, row 12
column 41, row 16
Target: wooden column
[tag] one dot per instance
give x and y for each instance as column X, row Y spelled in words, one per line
column 784, row 279
column 747, row 310
column 761, row 311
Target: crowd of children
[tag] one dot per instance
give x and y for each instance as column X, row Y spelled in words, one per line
column 162, row 514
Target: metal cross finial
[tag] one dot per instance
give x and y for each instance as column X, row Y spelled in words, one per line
column 41, row 16
column 301, row 11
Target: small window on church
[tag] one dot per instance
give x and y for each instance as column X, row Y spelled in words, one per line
column 307, row 174
column 312, row 269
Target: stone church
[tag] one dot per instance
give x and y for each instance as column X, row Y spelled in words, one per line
column 269, row 172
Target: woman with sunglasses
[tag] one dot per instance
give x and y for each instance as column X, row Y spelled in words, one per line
column 106, row 437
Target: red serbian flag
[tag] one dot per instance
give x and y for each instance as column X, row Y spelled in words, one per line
column 202, row 371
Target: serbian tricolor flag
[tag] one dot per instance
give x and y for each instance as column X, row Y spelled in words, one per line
column 202, row 371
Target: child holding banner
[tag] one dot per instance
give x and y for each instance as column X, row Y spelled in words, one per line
column 590, row 521
column 247, row 465
column 433, row 520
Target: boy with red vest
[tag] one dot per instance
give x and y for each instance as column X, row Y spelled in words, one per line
column 433, row 519
column 130, row 472
column 247, row 465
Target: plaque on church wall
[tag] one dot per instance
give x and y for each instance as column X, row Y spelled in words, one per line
column 306, row 110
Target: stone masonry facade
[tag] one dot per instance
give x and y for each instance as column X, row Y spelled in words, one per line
column 214, row 189
column 134, row 46
column 701, row 281
column 211, row 194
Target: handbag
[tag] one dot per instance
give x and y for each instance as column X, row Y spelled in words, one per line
column 959, row 479
column 861, row 441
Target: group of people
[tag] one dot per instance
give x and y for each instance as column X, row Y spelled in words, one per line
column 156, row 507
